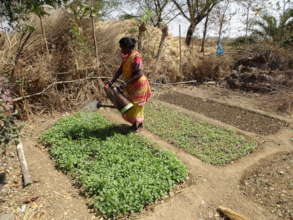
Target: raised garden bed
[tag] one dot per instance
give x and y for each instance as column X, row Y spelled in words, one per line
column 240, row 118
column 119, row 171
column 211, row 144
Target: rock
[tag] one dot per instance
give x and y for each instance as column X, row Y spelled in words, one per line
column 6, row 216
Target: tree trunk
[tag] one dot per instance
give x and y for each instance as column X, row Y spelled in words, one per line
column 94, row 37
column 189, row 34
column 220, row 29
column 163, row 38
column 180, row 51
column 204, row 34
column 247, row 20
column 44, row 34
column 141, row 30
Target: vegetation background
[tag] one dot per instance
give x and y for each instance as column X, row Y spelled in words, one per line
column 54, row 54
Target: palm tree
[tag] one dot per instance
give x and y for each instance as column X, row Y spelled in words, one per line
column 269, row 28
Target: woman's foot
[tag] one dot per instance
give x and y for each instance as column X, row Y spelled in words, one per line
column 137, row 126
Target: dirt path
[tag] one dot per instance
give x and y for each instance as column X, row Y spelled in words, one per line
column 57, row 195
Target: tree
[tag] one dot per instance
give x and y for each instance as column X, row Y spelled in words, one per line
column 271, row 28
column 164, row 35
column 204, row 34
column 250, row 5
column 92, row 9
column 276, row 6
column 99, row 8
column 194, row 11
column 14, row 11
column 221, row 14
column 163, row 12
column 143, row 20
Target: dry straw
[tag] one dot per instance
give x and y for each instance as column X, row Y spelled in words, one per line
column 72, row 55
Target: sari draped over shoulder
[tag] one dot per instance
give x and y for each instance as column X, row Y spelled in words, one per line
column 138, row 91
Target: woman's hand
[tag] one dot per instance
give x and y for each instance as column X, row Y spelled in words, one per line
column 122, row 86
column 108, row 84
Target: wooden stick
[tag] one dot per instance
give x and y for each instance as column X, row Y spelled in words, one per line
column 230, row 213
column 180, row 50
column 24, row 167
column 57, row 83
column 176, row 83
column 84, row 79
column 94, row 36
column 44, row 34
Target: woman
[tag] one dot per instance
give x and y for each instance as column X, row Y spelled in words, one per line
column 137, row 86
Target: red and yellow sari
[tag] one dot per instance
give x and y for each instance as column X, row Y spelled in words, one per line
column 138, row 91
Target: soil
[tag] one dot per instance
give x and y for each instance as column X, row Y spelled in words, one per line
column 270, row 184
column 240, row 118
column 54, row 196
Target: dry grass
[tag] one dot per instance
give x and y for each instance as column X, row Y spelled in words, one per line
column 72, row 57
column 207, row 68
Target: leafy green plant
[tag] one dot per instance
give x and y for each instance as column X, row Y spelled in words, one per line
column 269, row 28
column 14, row 11
column 8, row 128
column 120, row 171
column 209, row 143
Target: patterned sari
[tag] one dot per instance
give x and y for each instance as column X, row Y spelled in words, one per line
column 138, row 91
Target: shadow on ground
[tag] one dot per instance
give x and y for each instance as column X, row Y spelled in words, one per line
column 81, row 132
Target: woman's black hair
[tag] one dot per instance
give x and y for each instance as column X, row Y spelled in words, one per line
column 127, row 42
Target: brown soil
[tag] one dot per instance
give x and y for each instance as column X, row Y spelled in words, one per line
column 270, row 184
column 238, row 117
column 53, row 195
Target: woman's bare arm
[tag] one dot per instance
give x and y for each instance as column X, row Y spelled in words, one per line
column 116, row 75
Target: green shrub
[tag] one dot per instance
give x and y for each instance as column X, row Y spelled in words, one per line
column 288, row 42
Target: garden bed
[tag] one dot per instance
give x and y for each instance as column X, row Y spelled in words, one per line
column 270, row 183
column 211, row 144
column 240, row 118
column 119, row 171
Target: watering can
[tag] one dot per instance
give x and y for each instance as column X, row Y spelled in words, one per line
column 117, row 98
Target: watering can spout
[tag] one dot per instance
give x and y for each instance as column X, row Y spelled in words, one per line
column 118, row 100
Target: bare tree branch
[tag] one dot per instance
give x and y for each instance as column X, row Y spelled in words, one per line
column 180, row 8
column 57, row 83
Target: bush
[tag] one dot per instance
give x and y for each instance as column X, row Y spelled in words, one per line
column 288, row 42
column 243, row 40
column 8, row 129
column 207, row 68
